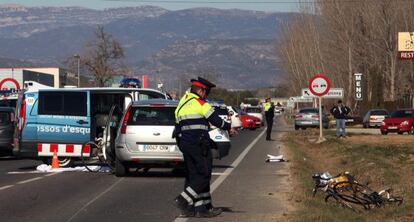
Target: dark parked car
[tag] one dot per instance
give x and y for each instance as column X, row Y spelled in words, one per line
column 6, row 129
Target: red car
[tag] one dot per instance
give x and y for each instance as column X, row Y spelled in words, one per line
column 401, row 121
column 250, row 122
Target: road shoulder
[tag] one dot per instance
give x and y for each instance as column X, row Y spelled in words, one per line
column 256, row 190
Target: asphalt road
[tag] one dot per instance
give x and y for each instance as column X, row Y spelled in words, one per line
column 243, row 184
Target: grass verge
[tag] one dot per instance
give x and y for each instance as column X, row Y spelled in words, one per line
column 381, row 161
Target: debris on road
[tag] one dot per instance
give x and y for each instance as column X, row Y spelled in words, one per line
column 44, row 168
column 271, row 158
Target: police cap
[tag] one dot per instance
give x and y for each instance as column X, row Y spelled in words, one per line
column 203, row 83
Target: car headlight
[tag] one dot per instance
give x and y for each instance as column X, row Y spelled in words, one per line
column 405, row 123
column 383, row 123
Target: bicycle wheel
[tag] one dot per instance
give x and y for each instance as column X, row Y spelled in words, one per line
column 339, row 201
column 93, row 163
column 350, row 192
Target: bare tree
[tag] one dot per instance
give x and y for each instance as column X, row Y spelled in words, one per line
column 341, row 38
column 102, row 57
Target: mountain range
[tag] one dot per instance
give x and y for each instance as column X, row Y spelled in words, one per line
column 236, row 46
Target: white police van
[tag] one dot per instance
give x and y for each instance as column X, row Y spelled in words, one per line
column 63, row 119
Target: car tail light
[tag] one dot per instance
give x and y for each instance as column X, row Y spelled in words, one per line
column 125, row 120
column 383, row 123
column 315, row 117
column 298, row 116
column 22, row 115
column 372, row 118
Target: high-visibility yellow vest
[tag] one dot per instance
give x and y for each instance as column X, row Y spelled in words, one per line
column 267, row 106
column 190, row 110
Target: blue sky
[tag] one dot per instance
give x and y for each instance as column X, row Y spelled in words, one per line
column 280, row 6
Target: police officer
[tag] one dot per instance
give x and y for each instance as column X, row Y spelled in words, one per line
column 193, row 116
column 269, row 114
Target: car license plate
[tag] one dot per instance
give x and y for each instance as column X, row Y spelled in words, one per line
column 392, row 127
column 157, row 148
column 306, row 122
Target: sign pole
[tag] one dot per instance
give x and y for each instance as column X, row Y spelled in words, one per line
column 319, row 85
column 321, row 138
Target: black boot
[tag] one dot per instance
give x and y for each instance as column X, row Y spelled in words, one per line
column 185, row 209
column 206, row 213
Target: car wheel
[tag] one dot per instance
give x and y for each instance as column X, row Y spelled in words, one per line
column 400, row 133
column 384, row 133
column 120, row 169
column 296, row 127
column 364, row 125
column 411, row 130
column 303, row 128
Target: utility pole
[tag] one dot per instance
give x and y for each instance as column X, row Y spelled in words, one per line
column 76, row 56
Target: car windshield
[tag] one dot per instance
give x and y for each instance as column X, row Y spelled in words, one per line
column 163, row 116
column 8, row 103
column 4, row 118
column 402, row 113
column 309, row 111
column 253, row 110
column 379, row 113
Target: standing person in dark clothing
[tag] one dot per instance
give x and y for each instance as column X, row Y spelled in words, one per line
column 193, row 118
column 269, row 114
column 340, row 112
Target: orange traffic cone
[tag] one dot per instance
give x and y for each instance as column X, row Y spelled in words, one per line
column 55, row 160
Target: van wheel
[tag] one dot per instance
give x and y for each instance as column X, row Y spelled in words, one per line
column 296, row 127
column 63, row 161
column 120, row 169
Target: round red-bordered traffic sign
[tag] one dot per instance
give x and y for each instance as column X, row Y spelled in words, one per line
column 10, row 80
column 319, row 85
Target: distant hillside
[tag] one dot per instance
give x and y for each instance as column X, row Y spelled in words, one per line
column 154, row 39
column 7, row 63
column 234, row 63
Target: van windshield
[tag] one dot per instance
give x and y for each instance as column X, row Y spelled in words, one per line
column 161, row 116
column 4, row 118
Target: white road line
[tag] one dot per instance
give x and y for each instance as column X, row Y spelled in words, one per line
column 228, row 171
column 217, row 174
column 6, row 187
column 94, row 199
column 51, row 174
column 29, row 180
column 26, row 172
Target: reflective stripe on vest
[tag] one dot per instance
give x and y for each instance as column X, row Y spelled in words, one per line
column 190, row 116
column 209, row 112
column 191, row 127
